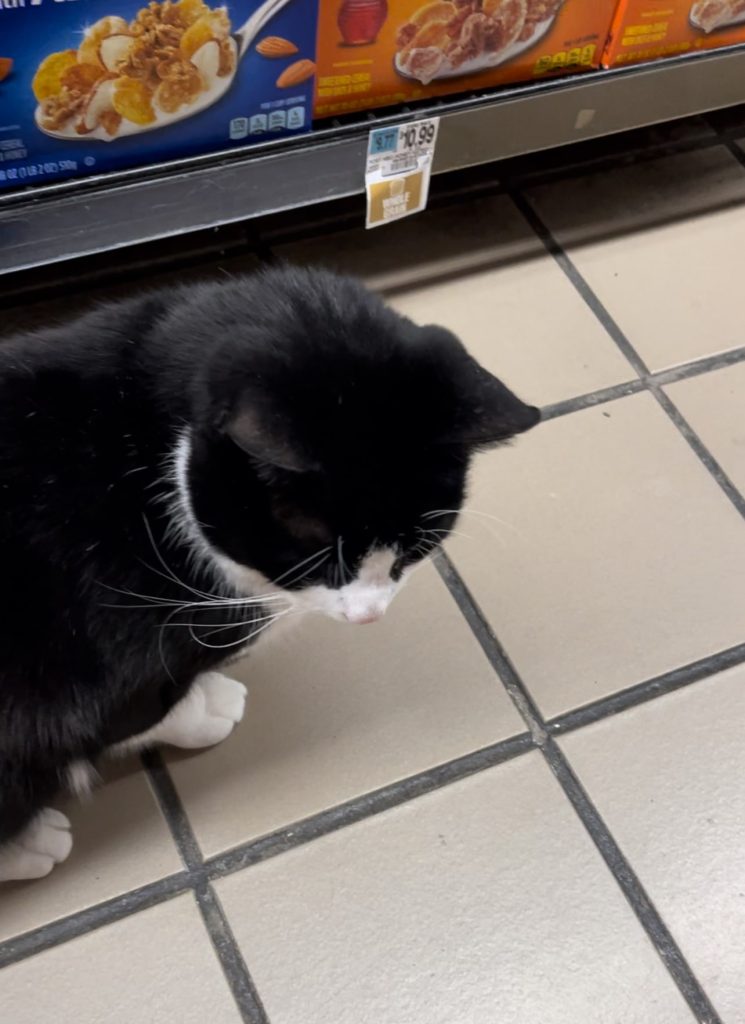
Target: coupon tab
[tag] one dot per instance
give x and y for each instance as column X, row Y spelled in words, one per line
column 399, row 165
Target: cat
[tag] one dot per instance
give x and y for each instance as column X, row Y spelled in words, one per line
column 178, row 472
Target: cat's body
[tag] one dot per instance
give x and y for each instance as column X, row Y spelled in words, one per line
column 164, row 459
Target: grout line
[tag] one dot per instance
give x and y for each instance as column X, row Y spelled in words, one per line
column 660, row 378
column 624, row 875
column 640, row 902
column 367, row 806
column 231, row 960
column 697, row 367
column 47, row 936
column 490, row 645
column 396, row 794
column 581, row 286
column 698, row 446
column 616, row 334
column 650, row 689
column 220, row 934
column 173, row 811
column 591, row 399
column 700, row 449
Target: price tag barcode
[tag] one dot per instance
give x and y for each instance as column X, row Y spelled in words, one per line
column 400, row 163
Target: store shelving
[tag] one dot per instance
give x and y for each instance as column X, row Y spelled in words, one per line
column 60, row 221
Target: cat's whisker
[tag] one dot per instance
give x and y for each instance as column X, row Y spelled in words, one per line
column 151, row 601
column 268, row 619
column 170, row 574
column 342, row 564
column 323, row 551
column 171, row 579
column 308, row 570
column 423, row 549
column 227, row 625
column 242, row 640
column 471, row 512
column 440, row 534
column 483, row 519
column 161, row 651
column 428, row 537
column 244, row 622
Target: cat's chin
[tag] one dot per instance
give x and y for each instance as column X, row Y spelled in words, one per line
column 354, row 604
column 363, row 600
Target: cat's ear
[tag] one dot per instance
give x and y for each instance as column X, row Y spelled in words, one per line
column 487, row 412
column 491, row 412
column 262, row 437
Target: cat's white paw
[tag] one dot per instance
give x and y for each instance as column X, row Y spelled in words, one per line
column 206, row 715
column 45, row 842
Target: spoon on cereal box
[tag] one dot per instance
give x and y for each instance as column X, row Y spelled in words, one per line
column 173, row 60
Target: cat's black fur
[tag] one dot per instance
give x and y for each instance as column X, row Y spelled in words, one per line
column 315, row 412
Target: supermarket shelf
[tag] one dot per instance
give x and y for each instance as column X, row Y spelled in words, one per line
column 60, row 221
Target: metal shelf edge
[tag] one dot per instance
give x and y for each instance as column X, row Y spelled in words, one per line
column 90, row 216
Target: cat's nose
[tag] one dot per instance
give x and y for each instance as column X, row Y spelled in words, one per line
column 365, row 616
column 364, row 602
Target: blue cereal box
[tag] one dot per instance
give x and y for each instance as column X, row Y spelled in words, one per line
column 88, row 86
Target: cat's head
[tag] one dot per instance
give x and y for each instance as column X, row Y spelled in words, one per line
column 332, row 438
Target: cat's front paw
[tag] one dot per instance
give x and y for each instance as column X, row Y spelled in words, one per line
column 45, row 842
column 207, row 714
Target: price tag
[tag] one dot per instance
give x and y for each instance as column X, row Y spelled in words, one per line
column 399, row 165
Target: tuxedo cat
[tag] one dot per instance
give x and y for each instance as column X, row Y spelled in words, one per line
column 182, row 470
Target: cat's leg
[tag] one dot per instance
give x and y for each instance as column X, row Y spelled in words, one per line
column 34, row 851
column 206, row 715
column 33, row 837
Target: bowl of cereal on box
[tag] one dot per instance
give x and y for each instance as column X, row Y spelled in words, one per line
column 448, row 38
column 171, row 61
column 710, row 15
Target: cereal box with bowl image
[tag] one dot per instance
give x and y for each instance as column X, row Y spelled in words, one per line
column 94, row 85
column 650, row 29
column 372, row 53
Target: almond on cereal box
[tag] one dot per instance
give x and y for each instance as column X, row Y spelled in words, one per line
column 102, row 84
column 372, row 53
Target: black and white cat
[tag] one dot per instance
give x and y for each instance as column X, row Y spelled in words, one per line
column 182, row 470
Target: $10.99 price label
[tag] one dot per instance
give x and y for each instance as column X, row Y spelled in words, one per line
column 399, row 165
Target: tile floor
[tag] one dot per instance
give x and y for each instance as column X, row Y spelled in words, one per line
column 519, row 799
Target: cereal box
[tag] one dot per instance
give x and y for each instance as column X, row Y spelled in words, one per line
column 93, row 85
column 649, row 29
column 377, row 52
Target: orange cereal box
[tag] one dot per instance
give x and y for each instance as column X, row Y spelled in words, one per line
column 649, row 29
column 373, row 53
